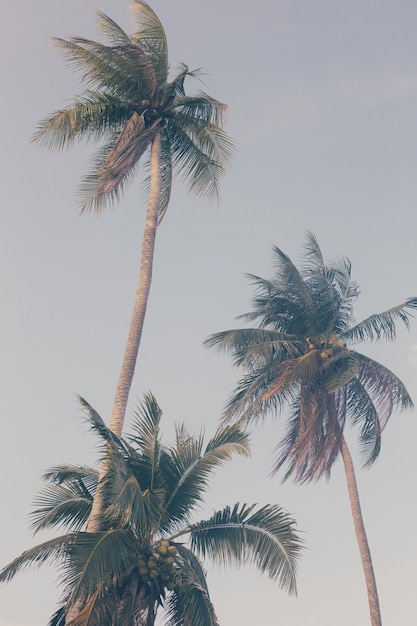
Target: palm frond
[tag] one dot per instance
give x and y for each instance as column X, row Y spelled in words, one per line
column 90, row 117
column 128, row 504
column 190, row 604
column 52, row 550
column 132, row 142
column 200, row 153
column 115, row 34
column 381, row 325
column 313, row 253
column 67, row 505
column 187, row 468
column 248, row 402
column 97, row 560
column 84, row 476
column 283, row 303
column 252, row 347
column 311, row 443
column 271, row 385
column 192, row 564
column 265, row 537
column 146, row 437
column 373, row 395
column 88, row 195
column 97, row 424
column 200, row 107
column 58, row 617
column 123, row 71
column 149, row 35
column 175, row 89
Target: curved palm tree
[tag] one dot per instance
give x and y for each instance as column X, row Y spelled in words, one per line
column 148, row 554
column 300, row 355
column 138, row 113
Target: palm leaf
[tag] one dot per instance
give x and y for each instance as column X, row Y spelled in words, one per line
column 253, row 347
column 67, row 505
column 381, row 325
column 312, row 440
column 124, row 71
column 187, row 468
column 90, row 117
column 67, row 500
column 372, row 396
column 97, row 424
column 266, row 538
column 150, row 36
column 200, row 153
column 97, row 560
column 52, row 550
column 113, row 32
column 200, row 107
column 190, row 604
column 146, row 437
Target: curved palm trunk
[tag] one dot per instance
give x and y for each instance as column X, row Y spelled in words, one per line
column 137, row 321
column 361, row 537
column 142, row 293
column 135, row 333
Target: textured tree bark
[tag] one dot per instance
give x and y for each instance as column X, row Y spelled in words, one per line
column 142, row 293
column 361, row 537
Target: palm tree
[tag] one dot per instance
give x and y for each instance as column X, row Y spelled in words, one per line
column 148, row 554
column 139, row 114
column 300, row 355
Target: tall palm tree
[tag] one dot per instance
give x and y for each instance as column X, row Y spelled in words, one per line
column 300, row 355
column 138, row 113
column 148, row 554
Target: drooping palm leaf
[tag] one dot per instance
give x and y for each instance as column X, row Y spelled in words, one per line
column 263, row 537
column 52, row 550
column 381, row 325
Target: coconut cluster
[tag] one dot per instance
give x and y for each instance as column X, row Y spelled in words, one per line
column 327, row 347
column 160, row 565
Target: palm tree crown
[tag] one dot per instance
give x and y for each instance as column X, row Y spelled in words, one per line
column 147, row 554
column 301, row 354
column 129, row 100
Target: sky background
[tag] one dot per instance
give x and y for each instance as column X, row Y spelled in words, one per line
column 322, row 102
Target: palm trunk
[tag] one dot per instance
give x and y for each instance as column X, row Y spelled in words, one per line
column 135, row 332
column 142, row 293
column 361, row 537
column 136, row 324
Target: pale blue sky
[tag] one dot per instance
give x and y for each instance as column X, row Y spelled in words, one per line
column 322, row 102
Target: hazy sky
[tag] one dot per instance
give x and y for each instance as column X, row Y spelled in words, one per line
column 322, row 102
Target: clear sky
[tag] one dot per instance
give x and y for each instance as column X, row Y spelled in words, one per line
column 322, row 102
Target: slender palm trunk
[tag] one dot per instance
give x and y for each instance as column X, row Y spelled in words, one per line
column 135, row 332
column 137, row 321
column 142, row 293
column 361, row 537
